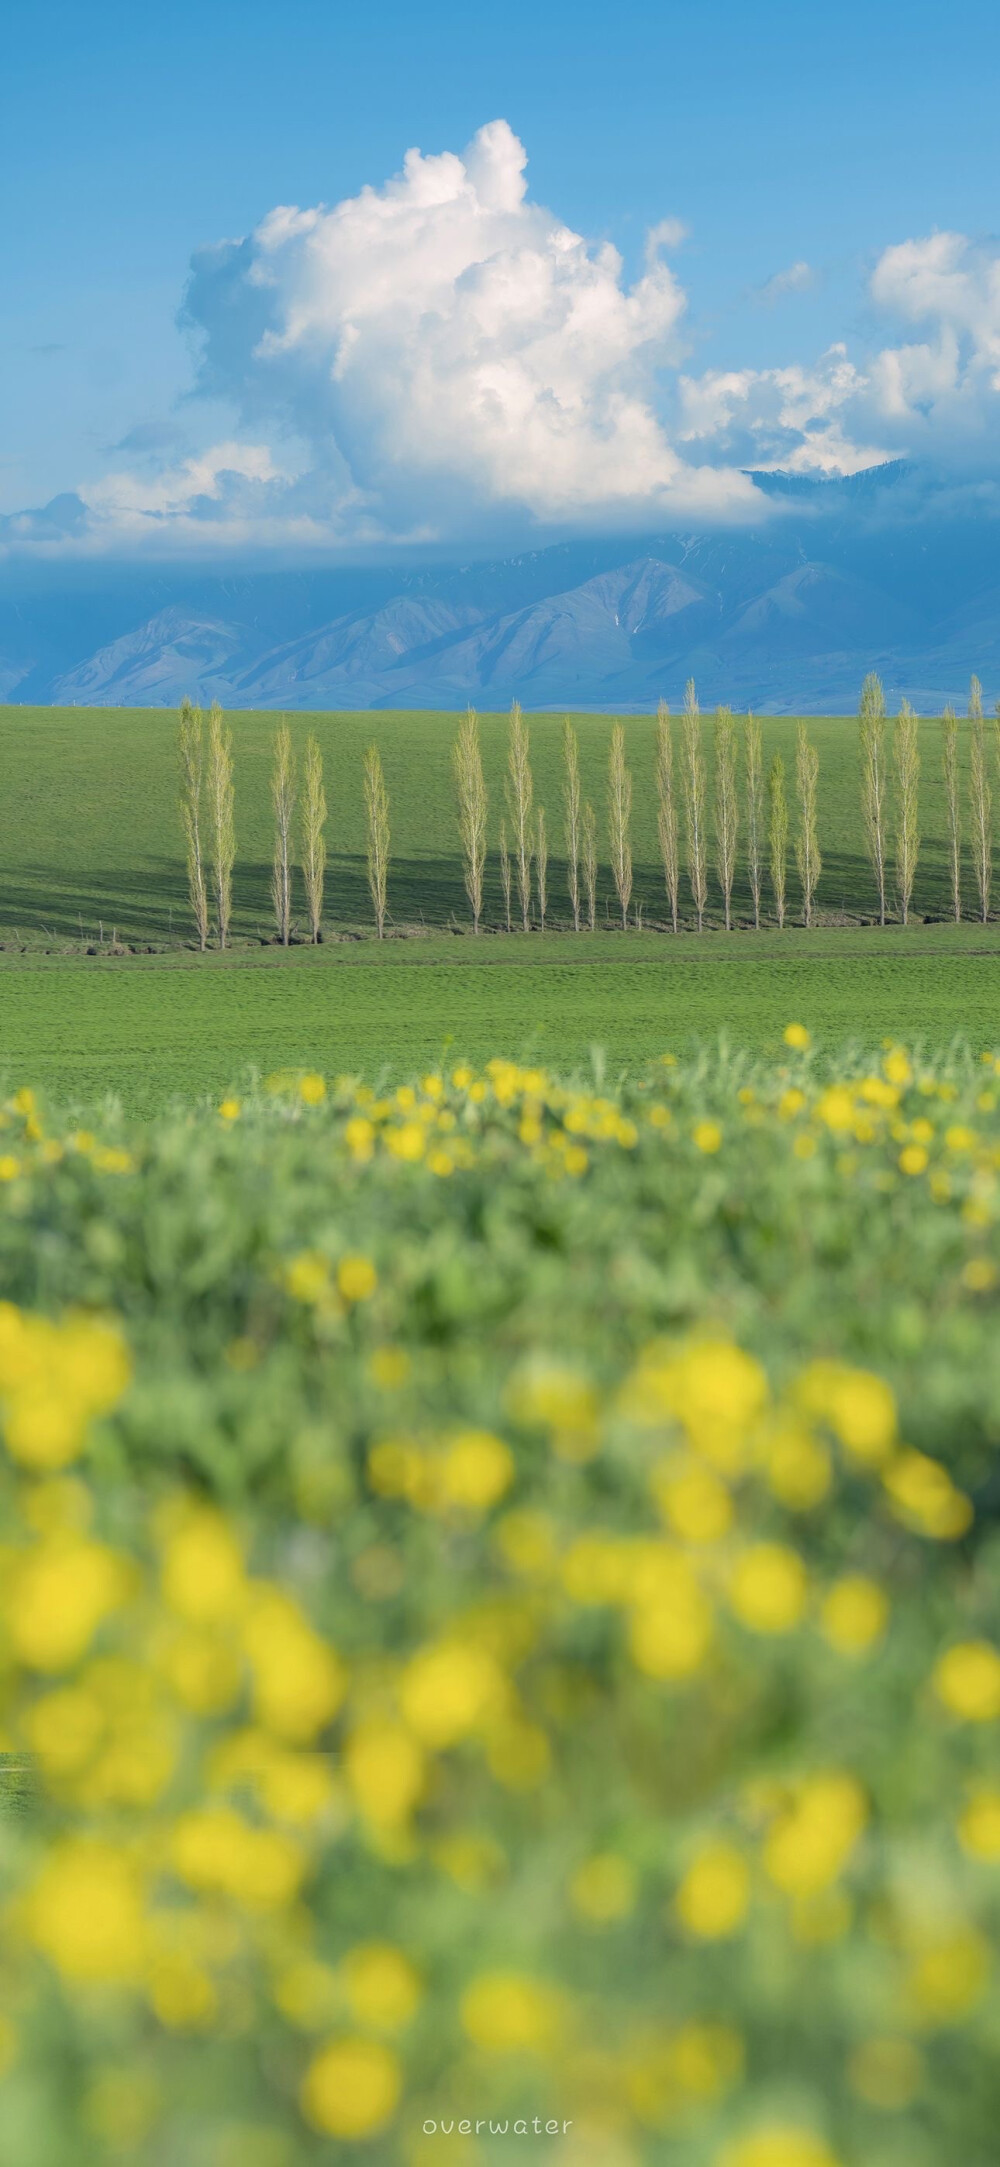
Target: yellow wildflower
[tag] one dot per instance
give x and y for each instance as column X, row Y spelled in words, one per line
column 351, row 2088
column 767, row 1590
column 447, row 1690
column 85, row 1912
column 854, row 1614
column 966, row 1680
column 886, row 2073
column 381, row 1985
column 357, row 1278
column 603, row 1889
column 795, row 1034
column 503, row 2013
column 813, row 1837
column 924, row 1496
column 855, row 1404
column 59, row 1593
column 949, row 1975
column 299, row 1681
column 202, row 1575
column 714, row 1895
column 778, row 2145
column 979, row 1825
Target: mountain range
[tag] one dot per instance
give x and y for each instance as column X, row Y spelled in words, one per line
column 837, row 578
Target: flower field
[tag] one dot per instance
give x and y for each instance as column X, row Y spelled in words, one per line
column 499, row 1622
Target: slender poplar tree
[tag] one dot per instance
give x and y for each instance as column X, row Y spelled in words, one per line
column 505, row 872
column 588, row 862
column 953, row 805
column 753, row 746
column 807, row 854
column 222, row 818
column 542, row 863
column 906, row 776
column 727, row 810
column 520, row 792
column 312, row 836
column 377, row 854
column 777, row 808
column 192, row 764
column 980, row 809
column 975, row 699
column 874, row 780
column 666, row 822
column 470, row 785
column 571, row 817
column 620, row 819
column 693, row 781
column 283, row 808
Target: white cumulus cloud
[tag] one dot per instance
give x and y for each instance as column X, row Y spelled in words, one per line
column 441, row 342
column 441, row 360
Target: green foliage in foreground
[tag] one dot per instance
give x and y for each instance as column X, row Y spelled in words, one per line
column 516, row 1636
column 152, row 1029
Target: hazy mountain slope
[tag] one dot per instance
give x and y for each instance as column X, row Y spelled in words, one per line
column 845, row 577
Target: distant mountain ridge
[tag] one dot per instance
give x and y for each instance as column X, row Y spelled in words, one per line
column 788, row 615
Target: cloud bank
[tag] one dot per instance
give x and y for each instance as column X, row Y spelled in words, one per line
column 429, row 360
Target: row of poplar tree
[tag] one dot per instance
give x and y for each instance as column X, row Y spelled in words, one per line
column 746, row 804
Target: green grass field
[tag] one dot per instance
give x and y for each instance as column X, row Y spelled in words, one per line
column 153, row 1027
column 90, row 847
column 89, row 830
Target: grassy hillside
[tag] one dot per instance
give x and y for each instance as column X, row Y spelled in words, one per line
column 89, row 829
column 153, row 1026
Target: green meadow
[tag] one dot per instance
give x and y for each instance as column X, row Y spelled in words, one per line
column 91, row 855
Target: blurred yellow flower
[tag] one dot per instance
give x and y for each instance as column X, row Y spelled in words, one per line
column 307, row 1277
column 213, row 1849
column 446, row 1691
column 979, row 1825
column 795, row 1034
column 948, row 1976
column 855, row 1404
column 385, row 1772
column 474, row 1471
column 768, row 1588
column 670, row 1632
column 351, row 2088
column 924, row 1496
column 854, row 1614
column 714, row 1896
column 603, row 1889
column 381, row 1985
column 230, row 1109
column 85, row 1912
column 778, row 2146
column 312, row 1090
column 527, row 1543
column 505, row 2013
column 202, row 1574
column 693, row 1500
column 966, row 1680
column 797, row 1465
column 357, row 1278
column 814, row 1835
column 299, row 1682
column 58, row 1594
column 886, row 2073
column 706, row 1136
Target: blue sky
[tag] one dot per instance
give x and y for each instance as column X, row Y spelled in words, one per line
column 796, row 146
